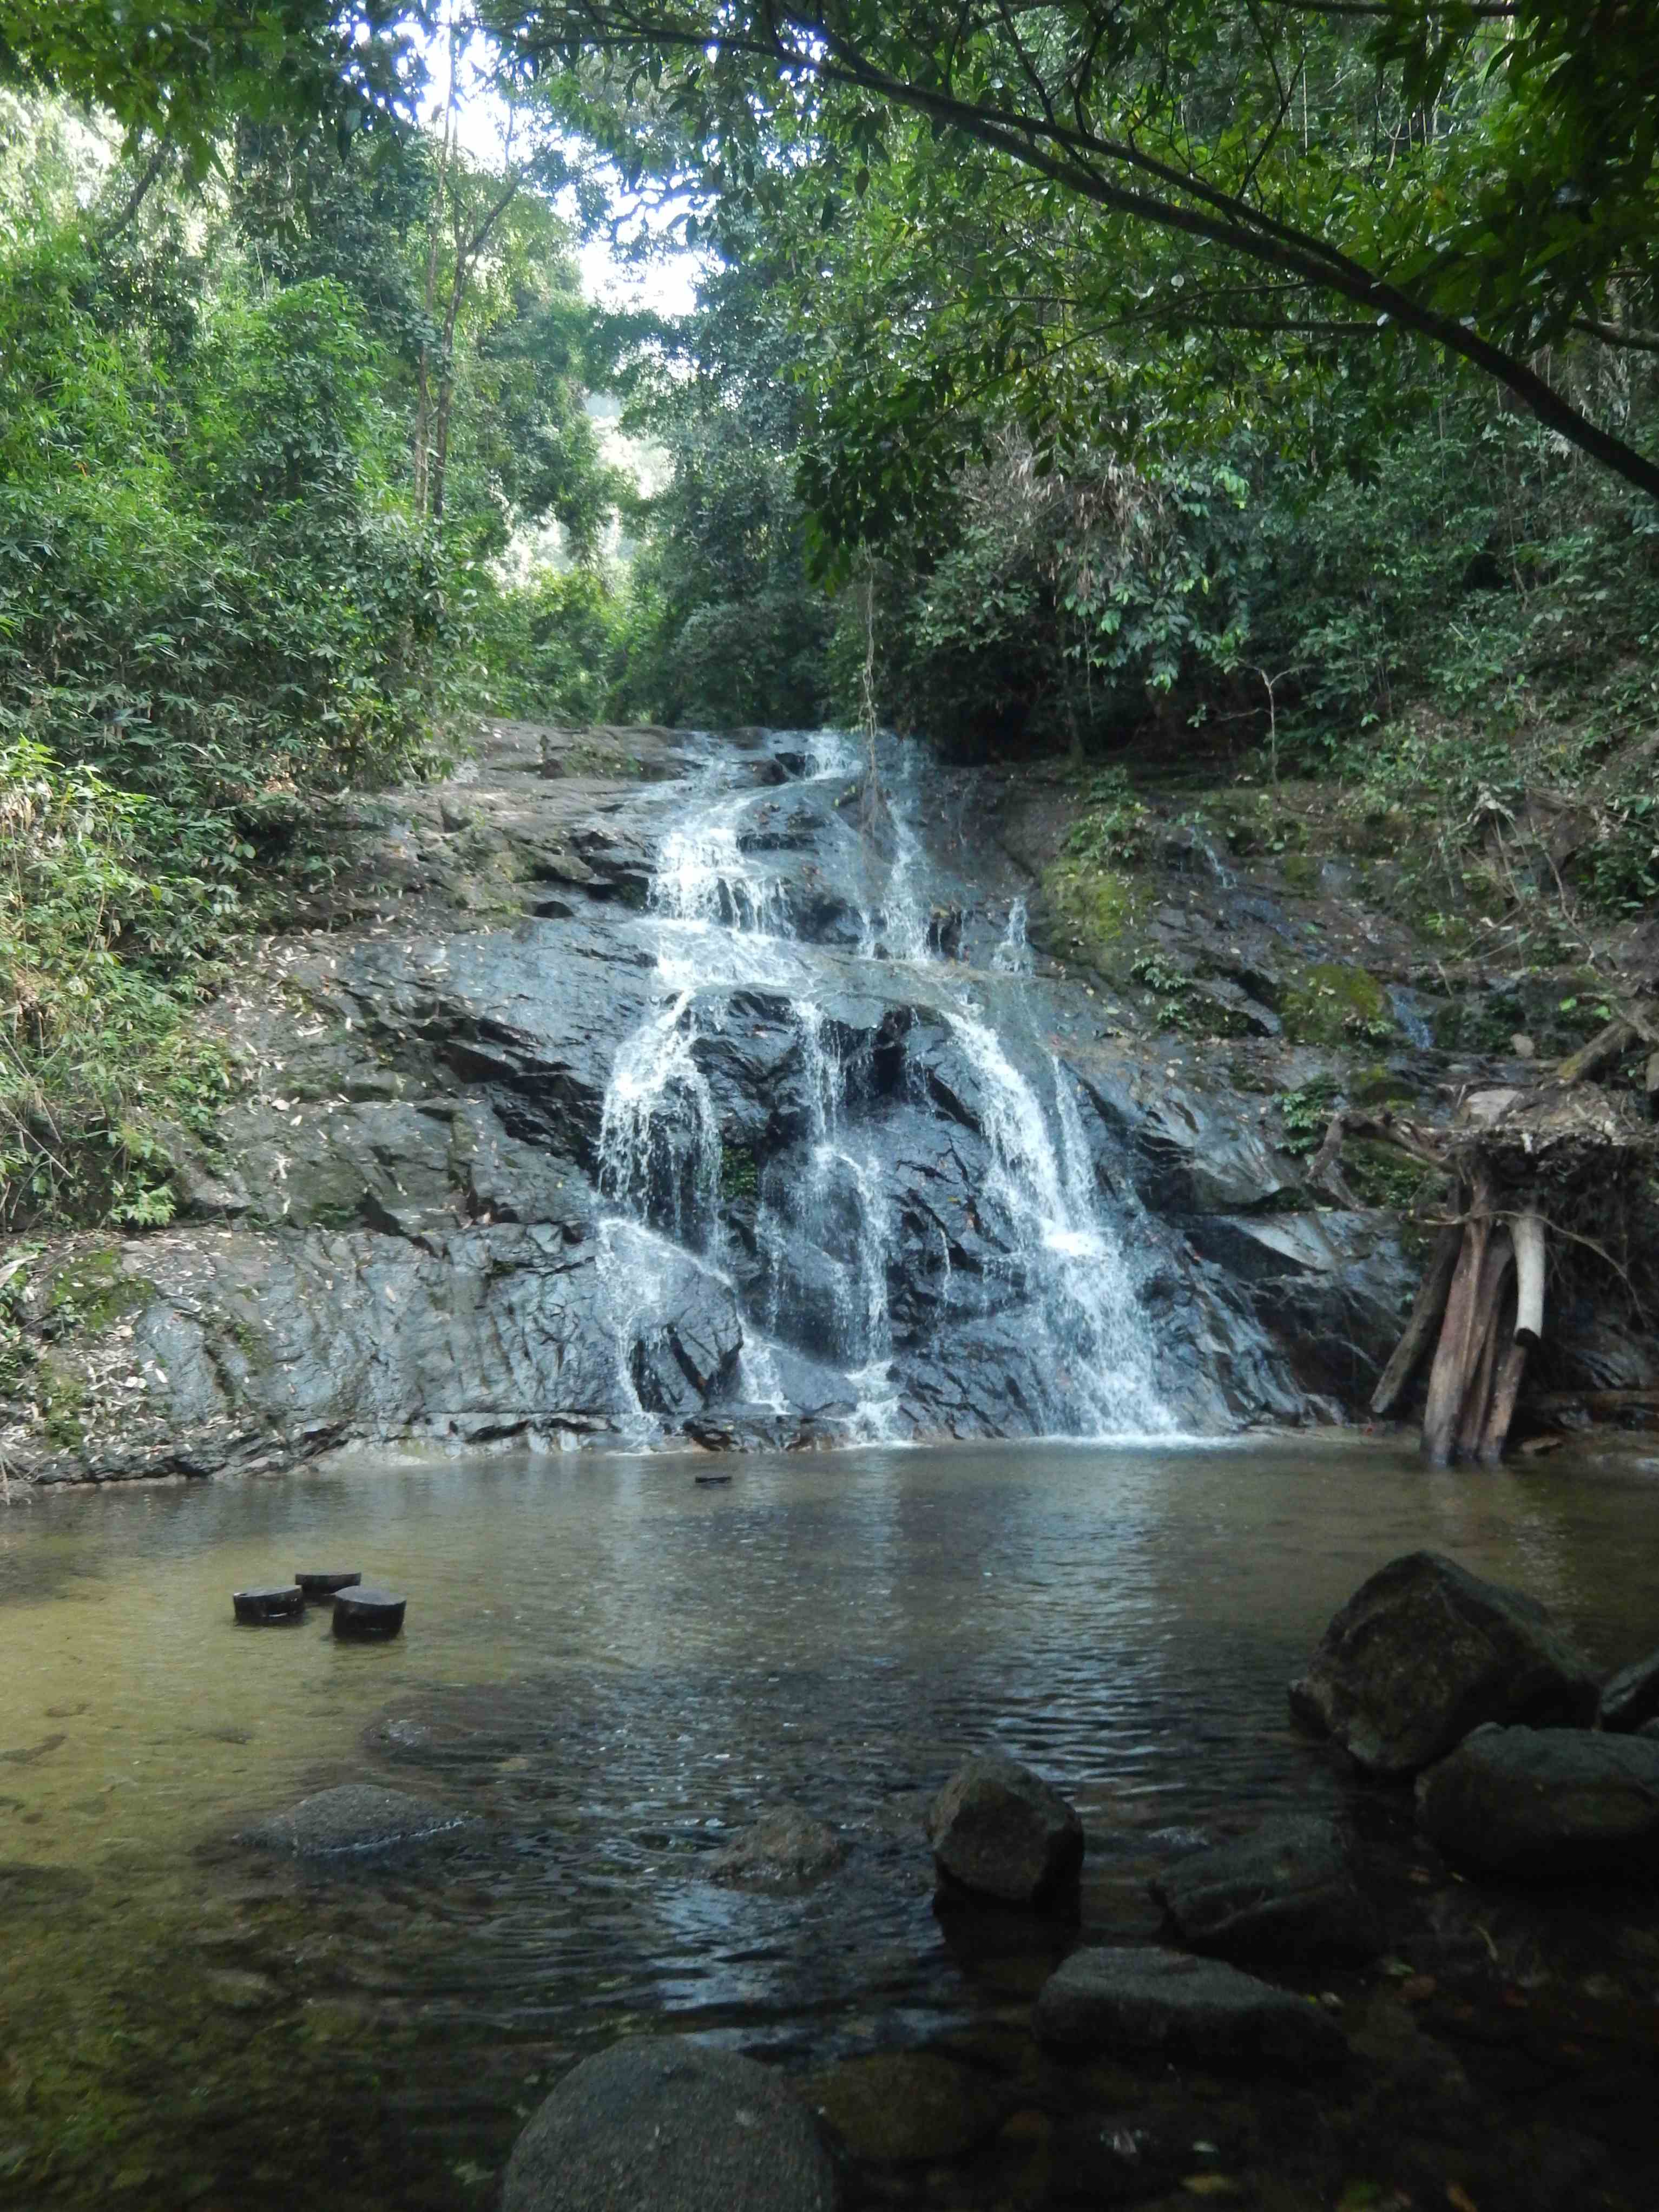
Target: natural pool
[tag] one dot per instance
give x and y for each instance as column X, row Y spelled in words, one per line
column 617, row 1668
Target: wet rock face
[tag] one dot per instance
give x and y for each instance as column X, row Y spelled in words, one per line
column 1425, row 1651
column 409, row 1227
column 664, row 2123
column 1287, row 1892
column 1547, row 1803
column 1154, row 2003
column 1000, row 1832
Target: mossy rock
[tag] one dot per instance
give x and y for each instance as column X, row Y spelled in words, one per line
column 1301, row 872
column 92, row 1294
column 1092, row 910
column 1331, row 1004
column 62, row 1398
column 1377, row 1176
column 739, row 1173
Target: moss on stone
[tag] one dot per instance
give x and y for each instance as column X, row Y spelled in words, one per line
column 62, row 1398
column 1093, row 909
column 1301, row 873
column 1329, row 1003
column 92, row 1294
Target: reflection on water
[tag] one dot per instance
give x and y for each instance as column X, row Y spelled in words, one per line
column 615, row 1667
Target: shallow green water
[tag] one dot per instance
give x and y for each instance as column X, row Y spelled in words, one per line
column 617, row 1666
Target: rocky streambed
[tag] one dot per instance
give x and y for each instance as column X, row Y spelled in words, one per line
column 639, row 1084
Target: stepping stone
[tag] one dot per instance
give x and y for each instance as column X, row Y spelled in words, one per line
column 359, row 1817
column 1162, row 2004
column 369, row 1615
column 658, row 2122
column 999, row 1831
column 1287, row 1892
column 710, row 1481
column 326, row 1585
column 285, row 1602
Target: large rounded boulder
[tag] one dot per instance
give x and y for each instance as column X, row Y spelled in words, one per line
column 661, row 2122
column 1424, row 1652
column 1545, row 1803
column 1000, row 1832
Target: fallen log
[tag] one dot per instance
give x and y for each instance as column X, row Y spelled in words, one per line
column 1426, row 1310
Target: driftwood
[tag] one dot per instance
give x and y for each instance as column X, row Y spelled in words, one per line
column 1516, row 1162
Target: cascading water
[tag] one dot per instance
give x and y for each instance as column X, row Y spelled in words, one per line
column 810, row 1238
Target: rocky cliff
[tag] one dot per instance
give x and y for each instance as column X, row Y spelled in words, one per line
column 428, row 1214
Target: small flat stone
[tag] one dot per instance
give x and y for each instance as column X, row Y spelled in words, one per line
column 782, row 1847
column 1159, row 2003
column 660, row 2124
column 1286, row 1892
column 1546, row 1802
column 1631, row 1698
column 999, row 1831
column 357, row 1817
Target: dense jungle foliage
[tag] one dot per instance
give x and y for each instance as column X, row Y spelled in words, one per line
column 1216, row 379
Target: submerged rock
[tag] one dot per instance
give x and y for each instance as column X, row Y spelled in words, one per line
column 787, row 1846
column 999, row 1831
column 663, row 2124
column 357, row 1817
column 1631, row 1698
column 1424, row 1652
column 1161, row 2003
column 898, row 2106
column 1286, row 1892
column 1544, row 1802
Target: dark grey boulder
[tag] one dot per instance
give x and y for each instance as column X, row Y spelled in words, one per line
column 782, row 1847
column 1287, row 1892
column 999, row 1831
column 1160, row 2003
column 1424, row 1652
column 1546, row 1802
column 661, row 2123
column 1630, row 1698
column 357, row 1817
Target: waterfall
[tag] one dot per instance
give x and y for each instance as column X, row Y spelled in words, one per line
column 812, row 1241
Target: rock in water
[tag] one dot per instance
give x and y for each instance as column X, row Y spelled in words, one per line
column 1159, row 2003
column 1631, row 1698
column 787, row 1846
column 658, row 2122
column 1424, row 1652
column 325, row 1584
column 283, row 1601
column 358, row 1816
column 999, row 1831
column 369, row 1615
column 1287, row 1892
column 1544, row 1802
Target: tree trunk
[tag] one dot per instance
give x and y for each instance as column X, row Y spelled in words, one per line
column 1529, row 1232
column 1430, row 1305
column 1491, row 1295
column 1459, row 1344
